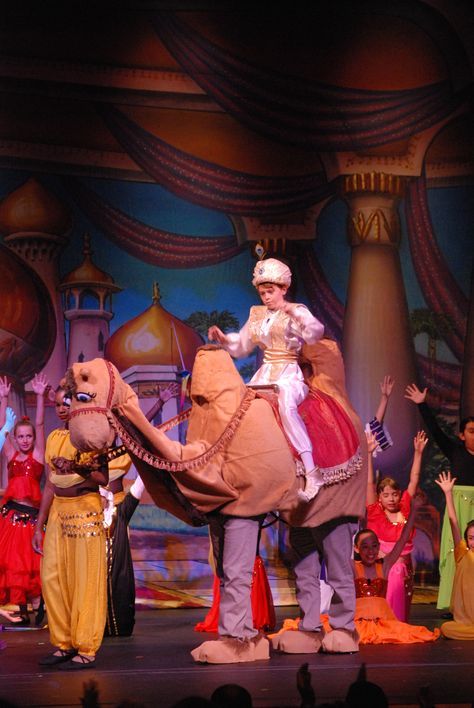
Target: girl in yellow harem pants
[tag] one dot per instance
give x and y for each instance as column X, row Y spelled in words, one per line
column 74, row 573
column 73, row 568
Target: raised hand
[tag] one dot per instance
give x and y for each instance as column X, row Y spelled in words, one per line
column 10, row 419
column 446, row 482
column 4, row 387
column 386, row 386
column 420, row 441
column 39, row 384
column 170, row 391
column 413, row 393
column 371, row 441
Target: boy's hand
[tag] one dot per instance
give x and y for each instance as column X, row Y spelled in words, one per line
column 413, row 393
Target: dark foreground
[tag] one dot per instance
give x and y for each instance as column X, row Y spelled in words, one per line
column 154, row 668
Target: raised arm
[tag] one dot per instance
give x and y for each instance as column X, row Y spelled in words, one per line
column 386, row 388
column 394, row 554
column 371, row 485
column 446, row 482
column 419, row 443
column 39, row 385
column 8, row 447
column 444, row 442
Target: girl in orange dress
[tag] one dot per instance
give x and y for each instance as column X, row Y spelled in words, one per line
column 387, row 511
column 24, row 452
column 374, row 619
column 462, row 598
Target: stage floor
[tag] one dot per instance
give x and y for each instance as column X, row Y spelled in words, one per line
column 154, row 667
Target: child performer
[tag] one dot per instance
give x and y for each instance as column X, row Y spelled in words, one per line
column 462, row 598
column 460, row 453
column 19, row 565
column 280, row 328
column 375, row 621
column 387, row 513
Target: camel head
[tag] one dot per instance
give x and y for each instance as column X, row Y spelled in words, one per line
column 95, row 386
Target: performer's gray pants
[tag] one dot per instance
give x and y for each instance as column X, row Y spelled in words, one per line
column 331, row 542
column 234, row 544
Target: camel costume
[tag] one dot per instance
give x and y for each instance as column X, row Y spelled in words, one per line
column 235, row 467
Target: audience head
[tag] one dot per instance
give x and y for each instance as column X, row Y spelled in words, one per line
column 231, row 695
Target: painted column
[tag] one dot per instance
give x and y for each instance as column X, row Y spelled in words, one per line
column 376, row 336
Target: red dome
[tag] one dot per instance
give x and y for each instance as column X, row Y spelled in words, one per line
column 27, row 323
column 32, row 208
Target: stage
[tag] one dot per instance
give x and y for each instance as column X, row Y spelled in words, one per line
column 154, row 667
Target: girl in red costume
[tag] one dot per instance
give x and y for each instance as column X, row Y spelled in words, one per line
column 387, row 513
column 24, row 452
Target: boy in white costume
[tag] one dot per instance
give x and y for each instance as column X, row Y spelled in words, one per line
column 279, row 328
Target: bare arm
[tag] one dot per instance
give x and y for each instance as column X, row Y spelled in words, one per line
column 446, row 482
column 386, row 388
column 419, row 444
column 39, row 385
column 46, row 501
column 371, row 486
column 164, row 394
column 396, row 551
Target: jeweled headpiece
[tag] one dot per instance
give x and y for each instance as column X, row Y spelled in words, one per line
column 271, row 271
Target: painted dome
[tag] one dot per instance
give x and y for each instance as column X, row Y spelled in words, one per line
column 27, row 323
column 32, row 208
column 88, row 274
column 154, row 337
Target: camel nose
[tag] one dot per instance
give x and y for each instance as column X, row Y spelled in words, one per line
column 91, row 432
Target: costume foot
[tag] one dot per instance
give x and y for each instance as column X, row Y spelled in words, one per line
column 313, row 483
column 340, row 641
column 39, row 614
column 229, row 650
column 58, row 657
column 298, row 641
column 78, row 663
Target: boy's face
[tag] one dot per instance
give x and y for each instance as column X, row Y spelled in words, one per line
column 368, row 548
column 390, row 498
column 272, row 296
column 467, row 436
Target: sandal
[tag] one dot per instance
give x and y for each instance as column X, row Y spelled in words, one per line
column 53, row 659
column 82, row 662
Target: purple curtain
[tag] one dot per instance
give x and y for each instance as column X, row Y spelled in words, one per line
column 208, row 184
column 160, row 248
column 299, row 111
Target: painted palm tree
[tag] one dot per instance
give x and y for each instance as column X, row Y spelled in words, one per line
column 201, row 321
column 434, row 325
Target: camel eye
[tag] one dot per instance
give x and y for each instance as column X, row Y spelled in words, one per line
column 83, row 397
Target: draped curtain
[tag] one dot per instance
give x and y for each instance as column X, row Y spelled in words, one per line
column 301, row 111
column 160, row 248
column 209, row 184
column 440, row 289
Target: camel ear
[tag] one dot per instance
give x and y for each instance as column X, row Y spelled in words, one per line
column 84, row 374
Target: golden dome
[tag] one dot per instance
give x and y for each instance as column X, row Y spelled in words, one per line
column 32, row 208
column 27, row 323
column 154, row 337
column 88, row 274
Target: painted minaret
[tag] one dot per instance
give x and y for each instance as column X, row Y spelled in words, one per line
column 87, row 307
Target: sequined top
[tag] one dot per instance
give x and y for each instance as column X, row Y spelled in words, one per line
column 24, row 478
column 369, row 587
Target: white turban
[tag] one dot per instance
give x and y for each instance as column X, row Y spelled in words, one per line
column 271, row 271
